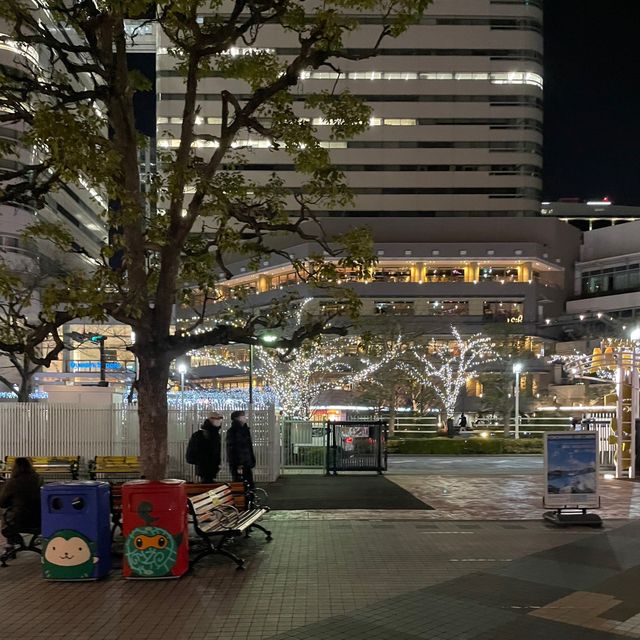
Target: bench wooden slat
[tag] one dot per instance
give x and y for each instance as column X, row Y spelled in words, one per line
column 115, row 468
column 48, row 465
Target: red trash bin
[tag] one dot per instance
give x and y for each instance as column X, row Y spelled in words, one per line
column 154, row 526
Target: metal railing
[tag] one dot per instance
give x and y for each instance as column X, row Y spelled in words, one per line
column 303, row 443
column 42, row 429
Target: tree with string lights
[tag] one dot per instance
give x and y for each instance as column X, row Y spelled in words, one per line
column 296, row 379
column 172, row 241
column 445, row 367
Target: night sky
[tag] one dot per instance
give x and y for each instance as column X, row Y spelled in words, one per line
column 592, row 92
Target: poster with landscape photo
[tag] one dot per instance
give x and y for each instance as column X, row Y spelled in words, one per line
column 571, row 469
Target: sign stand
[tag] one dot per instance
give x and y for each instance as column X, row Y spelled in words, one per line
column 571, row 516
column 571, row 472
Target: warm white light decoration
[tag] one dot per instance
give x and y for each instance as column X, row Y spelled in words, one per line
column 316, row 367
column 445, row 368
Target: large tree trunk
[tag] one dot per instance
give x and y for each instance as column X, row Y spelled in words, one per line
column 153, row 414
column 25, row 389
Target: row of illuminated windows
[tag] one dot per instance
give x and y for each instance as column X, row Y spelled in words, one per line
column 515, row 24
column 403, row 273
column 373, row 122
column 493, row 123
column 490, row 310
column 490, row 100
column 497, row 77
column 622, row 278
column 262, row 143
column 434, row 274
column 494, row 77
column 494, row 169
column 357, row 53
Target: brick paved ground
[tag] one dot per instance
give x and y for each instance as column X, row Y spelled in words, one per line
column 448, row 574
column 395, row 580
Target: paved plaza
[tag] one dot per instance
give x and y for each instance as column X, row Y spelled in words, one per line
column 462, row 571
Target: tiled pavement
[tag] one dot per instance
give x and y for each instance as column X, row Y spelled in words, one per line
column 351, row 580
column 499, row 497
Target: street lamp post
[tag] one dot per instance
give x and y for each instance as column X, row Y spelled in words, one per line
column 517, row 369
column 267, row 338
column 635, row 400
column 251, row 376
column 182, row 370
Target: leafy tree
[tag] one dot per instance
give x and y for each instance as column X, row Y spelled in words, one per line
column 170, row 244
column 29, row 337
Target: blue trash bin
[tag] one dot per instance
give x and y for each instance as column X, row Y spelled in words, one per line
column 76, row 531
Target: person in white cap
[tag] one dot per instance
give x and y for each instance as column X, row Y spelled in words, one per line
column 203, row 450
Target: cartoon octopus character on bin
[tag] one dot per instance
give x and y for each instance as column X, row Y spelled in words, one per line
column 151, row 551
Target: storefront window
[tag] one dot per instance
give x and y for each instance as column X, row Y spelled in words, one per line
column 503, row 311
column 445, row 275
column 448, row 308
column 394, row 307
column 498, row 274
column 392, row 274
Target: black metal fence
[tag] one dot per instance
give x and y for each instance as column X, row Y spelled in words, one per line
column 356, row 446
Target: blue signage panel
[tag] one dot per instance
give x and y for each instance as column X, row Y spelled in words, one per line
column 571, row 469
column 93, row 365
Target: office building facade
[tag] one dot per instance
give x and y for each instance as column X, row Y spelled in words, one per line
column 456, row 126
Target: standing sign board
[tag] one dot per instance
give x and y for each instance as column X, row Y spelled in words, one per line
column 571, row 466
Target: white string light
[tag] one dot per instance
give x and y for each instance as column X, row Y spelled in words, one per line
column 445, row 369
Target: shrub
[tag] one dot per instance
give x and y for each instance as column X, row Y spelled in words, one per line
column 526, row 445
column 445, row 446
column 460, row 446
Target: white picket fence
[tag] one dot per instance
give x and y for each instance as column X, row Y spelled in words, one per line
column 42, row 429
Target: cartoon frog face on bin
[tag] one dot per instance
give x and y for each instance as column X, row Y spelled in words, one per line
column 151, row 552
column 68, row 555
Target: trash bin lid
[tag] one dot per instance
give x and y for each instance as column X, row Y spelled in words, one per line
column 73, row 485
column 153, row 485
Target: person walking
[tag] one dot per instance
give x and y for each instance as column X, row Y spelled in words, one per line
column 20, row 498
column 204, row 449
column 462, row 423
column 240, row 449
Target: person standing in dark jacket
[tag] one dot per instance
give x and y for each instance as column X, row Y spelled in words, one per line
column 240, row 449
column 204, row 449
column 20, row 498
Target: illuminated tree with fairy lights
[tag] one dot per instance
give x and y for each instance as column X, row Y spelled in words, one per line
column 298, row 377
column 445, row 367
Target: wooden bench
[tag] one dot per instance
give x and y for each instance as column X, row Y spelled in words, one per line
column 49, row 467
column 238, row 491
column 215, row 520
column 115, row 468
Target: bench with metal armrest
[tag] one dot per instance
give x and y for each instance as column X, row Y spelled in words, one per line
column 216, row 520
column 49, row 467
column 115, row 468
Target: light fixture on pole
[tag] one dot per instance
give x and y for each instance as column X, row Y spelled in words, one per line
column 517, row 369
column 182, row 370
column 634, row 335
column 267, row 338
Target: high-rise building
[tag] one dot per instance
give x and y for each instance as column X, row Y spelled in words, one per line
column 76, row 208
column 456, row 128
